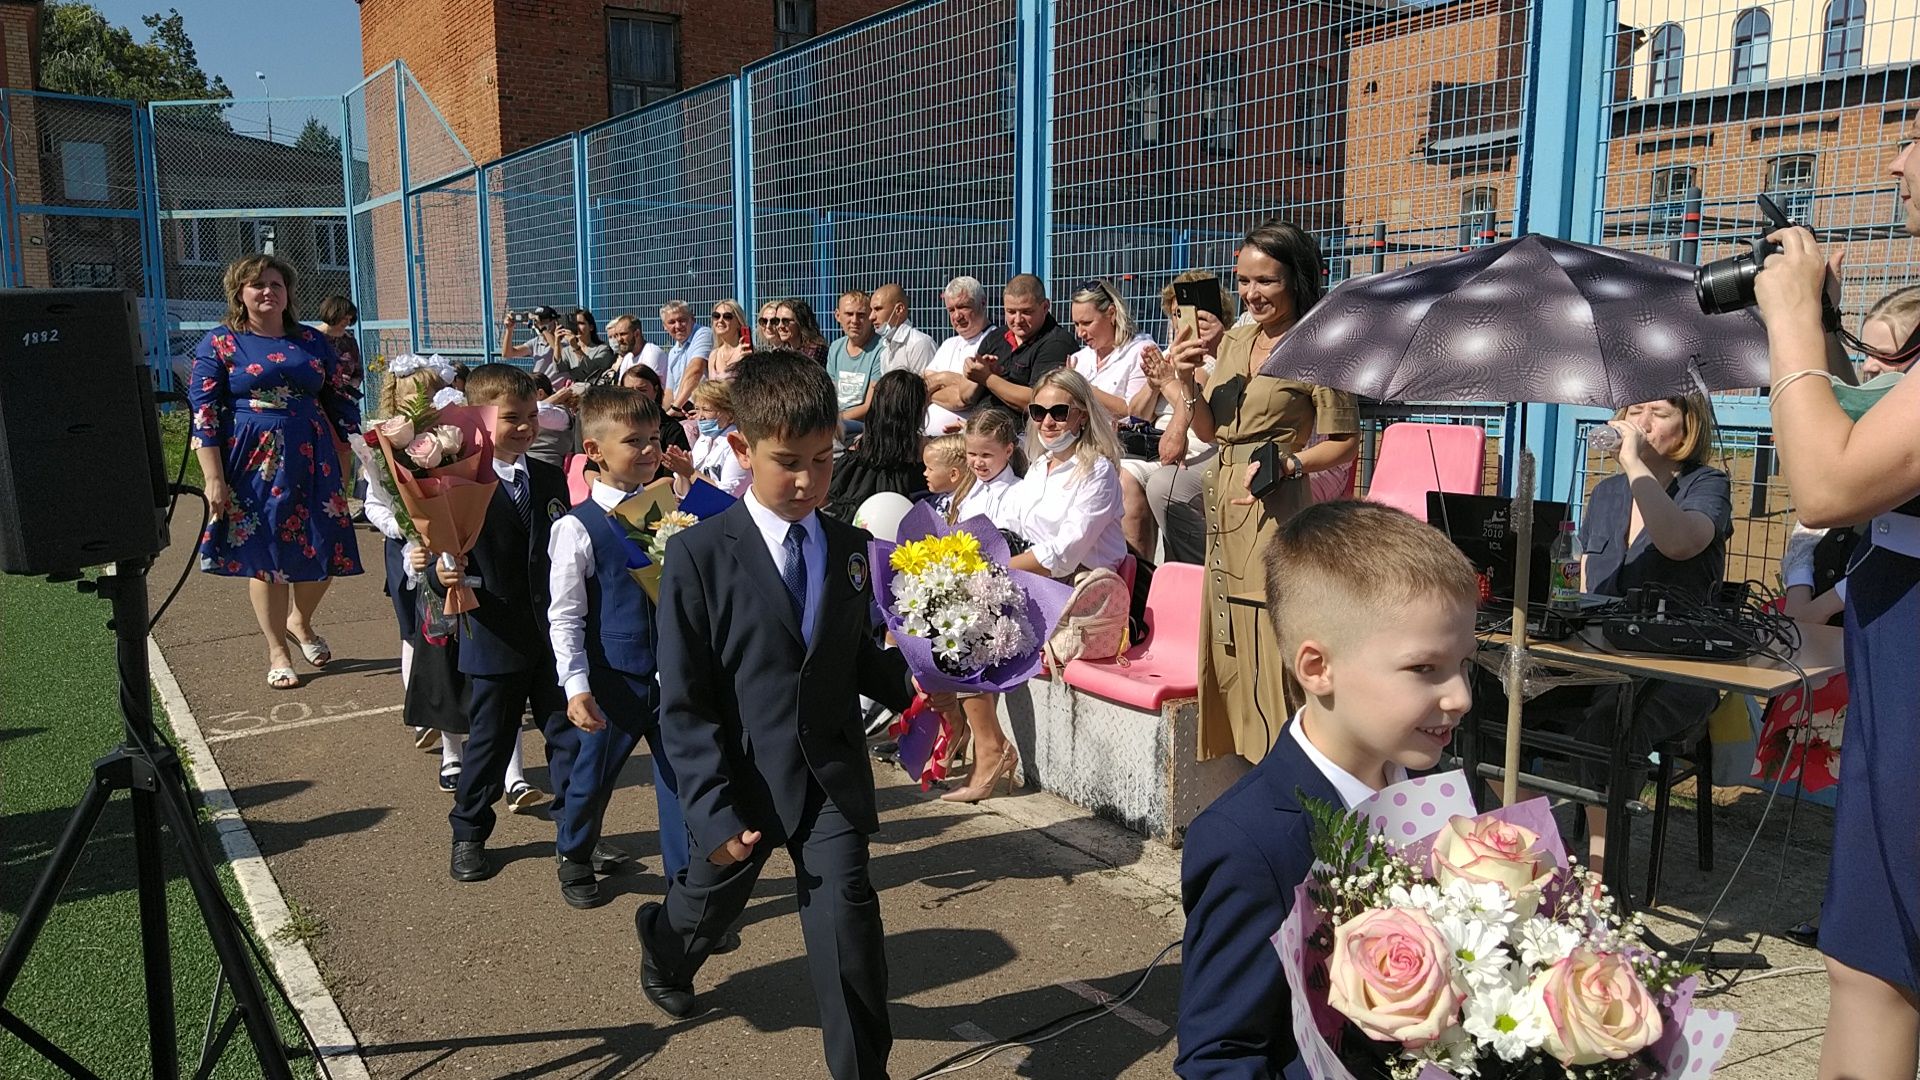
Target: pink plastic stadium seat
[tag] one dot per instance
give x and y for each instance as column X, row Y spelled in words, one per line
column 1167, row 664
column 579, row 487
column 1409, row 464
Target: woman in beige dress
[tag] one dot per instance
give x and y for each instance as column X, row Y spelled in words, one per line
column 1243, row 703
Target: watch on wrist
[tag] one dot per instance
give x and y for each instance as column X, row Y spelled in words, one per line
column 1294, row 469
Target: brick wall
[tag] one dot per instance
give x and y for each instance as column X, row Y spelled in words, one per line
column 511, row 73
column 19, row 44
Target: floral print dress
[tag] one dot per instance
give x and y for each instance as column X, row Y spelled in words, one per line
column 273, row 405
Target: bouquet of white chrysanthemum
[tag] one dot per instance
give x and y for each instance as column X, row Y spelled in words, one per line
column 1429, row 943
column 962, row 619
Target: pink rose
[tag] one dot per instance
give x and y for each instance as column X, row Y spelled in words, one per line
column 397, row 429
column 424, row 451
column 1391, row 976
column 1597, row 1009
column 1488, row 850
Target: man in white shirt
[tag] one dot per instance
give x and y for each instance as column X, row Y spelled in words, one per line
column 951, row 396
column 906, row 347
column 631, row 343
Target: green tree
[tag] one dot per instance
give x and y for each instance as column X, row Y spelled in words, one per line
column 83, row 53
column 316, row 138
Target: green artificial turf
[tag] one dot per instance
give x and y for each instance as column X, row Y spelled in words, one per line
column 83, row 986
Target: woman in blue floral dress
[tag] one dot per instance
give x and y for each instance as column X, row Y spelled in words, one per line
column 269, row 399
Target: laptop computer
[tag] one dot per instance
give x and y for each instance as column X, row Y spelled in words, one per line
column 1481, row 527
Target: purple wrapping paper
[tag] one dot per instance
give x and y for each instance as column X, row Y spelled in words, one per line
column 916, row 745
column 1046, row 599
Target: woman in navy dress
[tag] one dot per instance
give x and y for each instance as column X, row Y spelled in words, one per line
column 1843, row 472
column 269, row 398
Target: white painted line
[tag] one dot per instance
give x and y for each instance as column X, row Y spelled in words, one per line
column 265, row 904
column 1125, row 1012
column 1013, row 1058
column 274, row 729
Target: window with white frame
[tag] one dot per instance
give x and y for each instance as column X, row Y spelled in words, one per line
column 1667, row 57
column 1790, row 184
column 199, row 242
column 1752, row 43
column 1143, row 95
column 1846, row 35
column 261, row 237
column 1479, row 209
column 1220, row 104
column 86, row 275
column 1671, row 188
column 330, row 244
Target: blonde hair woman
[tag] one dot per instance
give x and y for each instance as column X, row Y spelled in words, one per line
column 1068, row 506
column 731, row 339
column 269, row 400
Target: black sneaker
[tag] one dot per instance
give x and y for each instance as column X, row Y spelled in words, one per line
column 578, row 887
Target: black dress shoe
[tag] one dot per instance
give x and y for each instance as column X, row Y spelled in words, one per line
column 470, row 861
column 608, row 859
column 672, row 996
column 578, row 887
column 888, row 751
column 728, row 942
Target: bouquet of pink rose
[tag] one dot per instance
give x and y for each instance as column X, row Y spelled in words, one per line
column 436, row 460
column 1431, row 943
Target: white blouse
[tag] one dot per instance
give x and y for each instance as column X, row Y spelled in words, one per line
column 1071, row 519
column 1120, row 374
column 715, row 461
column 989, row 497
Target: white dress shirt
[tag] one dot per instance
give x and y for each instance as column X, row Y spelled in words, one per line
column 773, row 529
column 650, row 355
column 1120, row 374
column 571, row 549
column 1071, row 519
column 907, row 349
column 989, row 497
column 1352, row 789
column 951, row 356
column 714, row 460
column 512, row 472
column 379, row 507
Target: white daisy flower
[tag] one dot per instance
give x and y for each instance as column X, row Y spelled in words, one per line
column 1544, row 943
column 1512, row 1022
column 1479, row 950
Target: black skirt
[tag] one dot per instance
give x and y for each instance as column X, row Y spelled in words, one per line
column 436, row 691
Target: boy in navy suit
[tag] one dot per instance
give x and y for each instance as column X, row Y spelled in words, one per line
column 503, row 644
column 1374, row 613
column 766, row 616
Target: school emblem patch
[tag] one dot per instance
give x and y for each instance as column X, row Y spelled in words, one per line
column 556, row 509
column 857, row 571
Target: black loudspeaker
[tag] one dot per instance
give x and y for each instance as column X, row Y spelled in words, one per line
column 82, row 477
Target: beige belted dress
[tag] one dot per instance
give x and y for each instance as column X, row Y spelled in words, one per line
column 1242, row 701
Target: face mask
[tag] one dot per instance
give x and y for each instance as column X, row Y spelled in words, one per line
column 1059, row 442
column 883, row 329
column 709, row 428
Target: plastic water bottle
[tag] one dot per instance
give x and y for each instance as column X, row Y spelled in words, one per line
column 1564, row 592
column 1604, row 439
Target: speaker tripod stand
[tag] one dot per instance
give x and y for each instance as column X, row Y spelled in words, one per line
column 147, row 769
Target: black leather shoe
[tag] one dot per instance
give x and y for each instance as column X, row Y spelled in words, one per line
column 888, row 751
column 608, row 859
column 728, row 942
column 673, row 997
column 470, row 861
column 578, row 887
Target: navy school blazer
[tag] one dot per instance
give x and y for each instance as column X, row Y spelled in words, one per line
column 1242, row 859
column 751, row 715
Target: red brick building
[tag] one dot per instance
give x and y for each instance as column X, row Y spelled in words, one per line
column 511, row 73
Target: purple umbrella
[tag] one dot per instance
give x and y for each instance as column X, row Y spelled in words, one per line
column 1532, row 319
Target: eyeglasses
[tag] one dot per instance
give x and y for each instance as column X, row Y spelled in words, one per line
column 722, row 316
column 778, row 320
column 1059, row 412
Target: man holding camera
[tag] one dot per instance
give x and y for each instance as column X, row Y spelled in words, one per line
column 545, row 324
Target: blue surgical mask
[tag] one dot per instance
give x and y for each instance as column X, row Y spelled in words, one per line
column 709, row 427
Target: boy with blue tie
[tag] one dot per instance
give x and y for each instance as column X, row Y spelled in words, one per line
column 1374, row 613
column 602, row 629
column 766, row 617
column 504, row 650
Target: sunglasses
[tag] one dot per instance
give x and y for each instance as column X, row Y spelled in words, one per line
column 722, row 316
column 777, row 321
column 1059, row 412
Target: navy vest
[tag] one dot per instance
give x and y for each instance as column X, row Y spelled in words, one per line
column 620, row 626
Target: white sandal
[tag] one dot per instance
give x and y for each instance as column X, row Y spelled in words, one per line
column 283, row 678
column 317, row 652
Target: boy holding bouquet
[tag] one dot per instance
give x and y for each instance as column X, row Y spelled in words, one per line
column 1374, row 612
column 503, row 650
column 765, row 612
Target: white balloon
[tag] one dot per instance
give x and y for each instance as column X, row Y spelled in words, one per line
column 881, row 514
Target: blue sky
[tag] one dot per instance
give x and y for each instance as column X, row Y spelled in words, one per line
column 316, row 52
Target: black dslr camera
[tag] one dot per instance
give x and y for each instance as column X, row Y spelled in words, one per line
column 1726, row 285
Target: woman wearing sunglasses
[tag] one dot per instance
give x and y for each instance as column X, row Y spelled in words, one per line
column 1242, row 686
column 1068, row 506
column 794, row 324
column 731, row 338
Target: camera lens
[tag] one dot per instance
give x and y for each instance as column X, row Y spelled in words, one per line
column 1725, row 285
